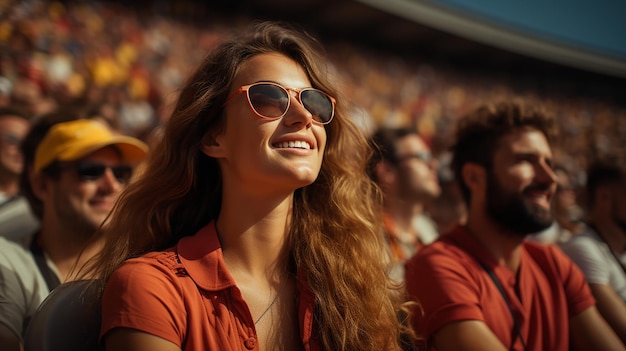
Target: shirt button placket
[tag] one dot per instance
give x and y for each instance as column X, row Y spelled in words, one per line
column 250, row 343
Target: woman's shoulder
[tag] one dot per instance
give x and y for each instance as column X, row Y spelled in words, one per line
column 157, row 262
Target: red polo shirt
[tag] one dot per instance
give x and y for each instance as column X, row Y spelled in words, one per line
column 450, row 284
column 187, row 296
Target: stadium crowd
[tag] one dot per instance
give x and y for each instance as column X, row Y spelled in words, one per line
column 129, row 62
column 66, row 66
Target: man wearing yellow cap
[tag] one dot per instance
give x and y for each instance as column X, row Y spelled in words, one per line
column 75, row 172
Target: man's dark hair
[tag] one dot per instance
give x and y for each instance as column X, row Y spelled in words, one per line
column 383, row 144
column 479, row 133
column 605, row 170
column 11, row 111
column 29, row 146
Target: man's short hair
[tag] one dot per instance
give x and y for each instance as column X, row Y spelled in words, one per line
column 479, row 133
column 12, row 111
column 604, row 170
column 383, row 144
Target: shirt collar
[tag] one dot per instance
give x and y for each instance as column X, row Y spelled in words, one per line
column 464, row 239
column 201, row 256
column 461, row 237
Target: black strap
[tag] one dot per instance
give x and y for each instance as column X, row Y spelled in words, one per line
column 52, row 281
column 619, row 262
column 516, row 332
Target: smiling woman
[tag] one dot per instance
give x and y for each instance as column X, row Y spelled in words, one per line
column 261, row 230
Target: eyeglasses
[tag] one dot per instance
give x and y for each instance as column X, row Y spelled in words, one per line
column 11, row 139
column 88, row 171
column 271, row 101
column 423, row 156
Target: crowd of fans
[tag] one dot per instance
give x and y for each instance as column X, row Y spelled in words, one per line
column 126, row 64
column 67, row 66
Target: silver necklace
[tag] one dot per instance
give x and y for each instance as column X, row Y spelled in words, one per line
column 268, row 308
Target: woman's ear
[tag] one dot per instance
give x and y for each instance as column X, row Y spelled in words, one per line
column 211, row 146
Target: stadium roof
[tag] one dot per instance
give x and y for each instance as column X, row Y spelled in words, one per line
column 581, row 34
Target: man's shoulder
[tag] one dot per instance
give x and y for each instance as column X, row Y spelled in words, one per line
column 551, row 259
column 17, row 222
column 17, row 260
column 12, row 251
column 584, row 238
column 444, row 248
column 586, row 241
column 538, row 250
column 24, row 287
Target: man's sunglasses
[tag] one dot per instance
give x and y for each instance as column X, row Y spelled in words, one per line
column 94, row 171
column 271, row 101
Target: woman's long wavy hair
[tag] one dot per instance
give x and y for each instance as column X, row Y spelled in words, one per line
column 335, row 233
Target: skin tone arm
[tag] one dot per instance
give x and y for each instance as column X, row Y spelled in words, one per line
column 467, row 336
column 611, row 307
column 8, row 339
column 125, row 339
column 589, row 331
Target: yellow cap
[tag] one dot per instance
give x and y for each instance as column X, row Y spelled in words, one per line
column 70, row 141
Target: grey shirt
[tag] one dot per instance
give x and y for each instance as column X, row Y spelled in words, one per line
column 595, row 259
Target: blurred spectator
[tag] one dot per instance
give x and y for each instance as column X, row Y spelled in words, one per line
column 6, row 88
column 406, row 171
column 14, row 126
column 74, row 173
column 448, row 210
column 53, row 52
column 600, row 250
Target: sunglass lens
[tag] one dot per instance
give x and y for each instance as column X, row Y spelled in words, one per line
column 90, row 171
column 268, row 100
column 320, row 105
column 122, row 173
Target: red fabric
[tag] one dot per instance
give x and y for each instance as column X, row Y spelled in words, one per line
column 399, row 253
column 194, row 303
column 450, row 284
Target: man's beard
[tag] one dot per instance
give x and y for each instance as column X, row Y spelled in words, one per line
column 513, row 212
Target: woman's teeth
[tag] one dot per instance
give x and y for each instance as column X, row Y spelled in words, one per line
column 294, row 144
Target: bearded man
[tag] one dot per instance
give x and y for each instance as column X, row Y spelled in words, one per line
column 483, row 286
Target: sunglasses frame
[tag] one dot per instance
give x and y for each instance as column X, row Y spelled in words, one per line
column 246, row 89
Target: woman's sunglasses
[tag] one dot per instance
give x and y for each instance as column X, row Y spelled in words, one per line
column 88, row 171
column 271, row 101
